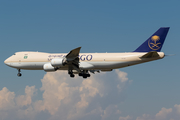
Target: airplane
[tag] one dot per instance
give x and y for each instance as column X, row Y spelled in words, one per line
column 84, row 63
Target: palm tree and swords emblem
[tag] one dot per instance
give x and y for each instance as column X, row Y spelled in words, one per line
column 153, row 42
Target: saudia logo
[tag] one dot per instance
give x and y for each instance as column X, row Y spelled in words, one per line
column 154, row 43
column 25, row 57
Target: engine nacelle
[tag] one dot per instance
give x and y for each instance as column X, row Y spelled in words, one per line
column 57, row 62
column 48, row 67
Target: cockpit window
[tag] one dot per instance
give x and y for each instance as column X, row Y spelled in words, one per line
column 14, row 53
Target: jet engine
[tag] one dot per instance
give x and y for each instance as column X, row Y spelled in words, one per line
column 48, row 67
column 57, row 62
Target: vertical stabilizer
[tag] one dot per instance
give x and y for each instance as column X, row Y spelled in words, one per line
column 155, row 42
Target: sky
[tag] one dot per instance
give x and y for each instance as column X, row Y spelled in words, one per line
column 148, row 91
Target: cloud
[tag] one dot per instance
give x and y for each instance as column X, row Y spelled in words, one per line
column 24, row 100
column 144, row 117
column 65, row 98
column 78, row 98
column 122, row 76
column 68, row 98
column 163, row 114
column 111, row 110
column 12, row 107
column 125, row 118
column 177, row 107
column 6, row 99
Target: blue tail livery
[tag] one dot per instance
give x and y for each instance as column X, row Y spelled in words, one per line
column 155, row 42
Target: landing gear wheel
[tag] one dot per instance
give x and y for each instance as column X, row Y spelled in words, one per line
column 19, row 74
column 80, row 74
column 88, row 75
column 84, row 76
column 72, row 75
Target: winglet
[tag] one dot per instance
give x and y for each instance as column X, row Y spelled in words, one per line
column 155, row 42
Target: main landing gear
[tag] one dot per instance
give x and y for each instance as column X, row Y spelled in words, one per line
column 19, row 73
column 84, row 74
column 71, row 73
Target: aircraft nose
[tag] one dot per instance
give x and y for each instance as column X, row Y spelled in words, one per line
column 7, row 61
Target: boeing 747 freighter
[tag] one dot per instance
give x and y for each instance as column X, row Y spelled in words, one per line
column 84, row 63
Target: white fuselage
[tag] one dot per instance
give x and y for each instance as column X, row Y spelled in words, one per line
column 93, row 61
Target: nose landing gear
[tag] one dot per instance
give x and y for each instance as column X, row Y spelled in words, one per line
column 19, row 73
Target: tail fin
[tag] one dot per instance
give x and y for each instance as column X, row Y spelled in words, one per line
column 155, row 42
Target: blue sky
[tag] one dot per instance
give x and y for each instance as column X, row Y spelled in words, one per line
column 97, row 26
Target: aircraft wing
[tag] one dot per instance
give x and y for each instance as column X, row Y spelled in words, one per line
column 72, row 59
column 73, row 54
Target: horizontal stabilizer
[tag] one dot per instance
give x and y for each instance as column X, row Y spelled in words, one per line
column 150, row 54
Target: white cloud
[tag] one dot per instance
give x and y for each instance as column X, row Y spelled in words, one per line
column 163, row 113
column 123, row 80
column 122, row 75
column 177, row 108
column 68, row 98
column 12, row 107
column 144, row 117
column 125, row 118
column 79, row 96
column 111, row 110
column 6, row 99
column 24, row 100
